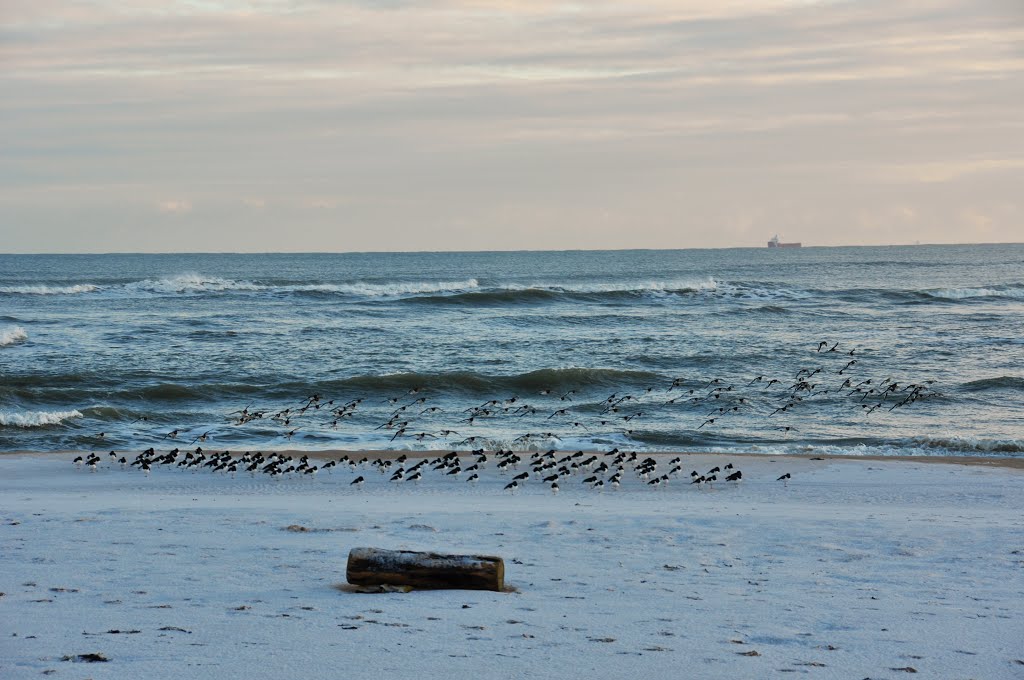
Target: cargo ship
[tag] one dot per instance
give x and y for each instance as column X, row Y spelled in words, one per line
column 773, row 242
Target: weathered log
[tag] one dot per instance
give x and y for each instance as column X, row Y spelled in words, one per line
column 374, row 566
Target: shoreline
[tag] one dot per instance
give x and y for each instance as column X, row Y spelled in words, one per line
column 978, row 461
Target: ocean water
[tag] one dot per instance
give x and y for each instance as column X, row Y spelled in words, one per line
column 138, row 346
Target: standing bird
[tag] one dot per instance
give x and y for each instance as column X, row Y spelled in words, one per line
column 784, row 479
column 357, row 482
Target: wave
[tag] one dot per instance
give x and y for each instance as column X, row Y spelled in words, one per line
column 969, row 293
column 939, row 295
column 677, row 286
column 556, row 379
column 383, row 289
column 12, row 336
column 190, row 283
column 28, row 419
column 1002, row 382
column 49, row 290
column 965, row 444
column 541, row 292
column 199, row 283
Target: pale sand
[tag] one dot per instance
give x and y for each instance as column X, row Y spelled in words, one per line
column 849, row 571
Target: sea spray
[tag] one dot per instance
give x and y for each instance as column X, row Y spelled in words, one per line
column 28, row 419
column 12, row 336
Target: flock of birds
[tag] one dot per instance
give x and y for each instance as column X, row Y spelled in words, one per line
column 552, row 468
column 407, row 417
column 411, row 417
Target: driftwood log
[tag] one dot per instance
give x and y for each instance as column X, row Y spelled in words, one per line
column 373, row 566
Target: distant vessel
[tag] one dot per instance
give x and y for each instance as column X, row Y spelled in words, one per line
column 773, row 242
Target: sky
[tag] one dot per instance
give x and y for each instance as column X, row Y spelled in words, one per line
column 203, row 125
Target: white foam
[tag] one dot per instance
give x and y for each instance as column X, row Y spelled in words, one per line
column 386, row 289
column 36, row 418
column 190, row 283
column 967, row 293
column 12, row 336
column 49, row 290
column 672, row 286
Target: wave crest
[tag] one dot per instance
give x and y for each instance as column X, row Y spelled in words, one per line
column 969, row 445
column 1002, row 382
column 28, row 419
column 190, row 283
column 467, row 381
column 76, row 289
column 385, row 289
column 12, row 336
column 969, row 293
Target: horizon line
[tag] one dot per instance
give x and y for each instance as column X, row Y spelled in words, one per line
column 469, row 252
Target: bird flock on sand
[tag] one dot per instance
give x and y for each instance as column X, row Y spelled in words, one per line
column 836, row 376
column 551, row 469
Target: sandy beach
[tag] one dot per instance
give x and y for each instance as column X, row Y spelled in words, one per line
column 857, row 568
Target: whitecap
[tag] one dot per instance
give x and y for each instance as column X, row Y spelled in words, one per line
column 12, row 336
column 190, row 283
column 387, row 289
column 49, row 290
column 28, row 419
column 672, row 286
column 968, row 293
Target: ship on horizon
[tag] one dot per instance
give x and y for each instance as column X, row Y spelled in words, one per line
column 773, row 242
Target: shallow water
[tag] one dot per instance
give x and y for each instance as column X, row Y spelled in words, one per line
column 92, row 344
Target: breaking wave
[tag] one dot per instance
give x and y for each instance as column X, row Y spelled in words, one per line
column 541, row 292
column 190, row 283
column 198, row 283
column 969, row 293
column 12, row 336
column 28, row 419
column 49, row 290
column 966, row 444
column 384, row 289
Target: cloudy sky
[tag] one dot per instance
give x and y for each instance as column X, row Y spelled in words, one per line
column 274, row 125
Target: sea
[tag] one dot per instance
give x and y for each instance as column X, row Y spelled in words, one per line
column 915, row 350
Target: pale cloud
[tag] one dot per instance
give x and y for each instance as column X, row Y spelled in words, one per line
column 322, row 203
column 948, row 171
column 501, row 124
column 174, row 206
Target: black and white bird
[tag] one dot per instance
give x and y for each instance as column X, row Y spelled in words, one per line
column 357, row 482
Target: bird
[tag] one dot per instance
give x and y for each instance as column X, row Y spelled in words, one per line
column 554, row 487
column 357, row 482
column 784, row 479
column 734, row 477
column 512, row 486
